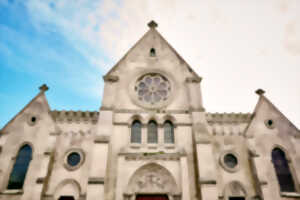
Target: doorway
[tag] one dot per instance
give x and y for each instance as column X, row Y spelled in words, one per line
column 236, row 198
column 151, row 197
column 66, row 198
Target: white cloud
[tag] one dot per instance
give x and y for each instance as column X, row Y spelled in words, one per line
column 236, row 46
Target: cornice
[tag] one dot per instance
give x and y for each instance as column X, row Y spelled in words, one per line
column 228, row 117
column 75, row 116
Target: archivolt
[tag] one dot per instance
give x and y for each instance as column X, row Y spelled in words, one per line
column 152, row 179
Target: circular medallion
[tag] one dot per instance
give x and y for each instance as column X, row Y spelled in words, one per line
column 152, row 89
column 229, row 161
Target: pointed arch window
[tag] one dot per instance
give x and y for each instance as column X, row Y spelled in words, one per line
column 18, row 174
column 152, row 52
column 282, row 170
column 152, row 132
column 136, row 132
column 169, row 132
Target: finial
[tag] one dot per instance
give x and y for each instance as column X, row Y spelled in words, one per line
column 43, row 88
column 152, row 24
column 260, row 91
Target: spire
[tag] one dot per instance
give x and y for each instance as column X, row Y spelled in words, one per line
column 152, row 24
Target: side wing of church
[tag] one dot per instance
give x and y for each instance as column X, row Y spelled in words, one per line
column 152, row 139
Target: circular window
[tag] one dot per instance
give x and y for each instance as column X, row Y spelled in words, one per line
column 74, row 159
column 32, row 119
column 152, row 89
column 229, row 161
column 269, row 123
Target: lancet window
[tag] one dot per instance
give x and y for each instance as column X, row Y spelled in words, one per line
column 136, row 132
column 152, row 132
column 168, row 132
column 282, row 169
column 18, row 174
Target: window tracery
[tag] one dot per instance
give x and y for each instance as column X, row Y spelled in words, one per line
column 153, row 88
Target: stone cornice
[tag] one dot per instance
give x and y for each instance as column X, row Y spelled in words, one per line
column 75, row 116
column 228, row 117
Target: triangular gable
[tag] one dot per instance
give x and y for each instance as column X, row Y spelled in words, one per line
column 152, row 26
column 39, row 97
column 262, row 102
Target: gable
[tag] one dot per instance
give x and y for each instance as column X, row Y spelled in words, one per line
column 269, row 119
column 140, row 54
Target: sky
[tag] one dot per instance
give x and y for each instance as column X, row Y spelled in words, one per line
column 236, row 46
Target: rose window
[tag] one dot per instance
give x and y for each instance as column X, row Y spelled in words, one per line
column 153, row 88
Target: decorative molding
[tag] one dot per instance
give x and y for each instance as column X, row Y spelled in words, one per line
column 140, row 111
column 102, row 139
column 153, row 156
column 228, row 117
column 75, row 116
column 95, row 180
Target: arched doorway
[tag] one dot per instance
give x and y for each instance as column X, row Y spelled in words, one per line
column 152, row 182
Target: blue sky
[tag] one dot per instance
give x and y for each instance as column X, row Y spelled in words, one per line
column 235, row 46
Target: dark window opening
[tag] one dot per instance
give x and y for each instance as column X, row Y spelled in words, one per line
column 230, row 160
column 152, row 132
column 33, row 119
column 66, row 198
column 236, row 198
column 152, row 197
column 18, row 174
column 282, row 170
column 74, row 159
column 270, row 122
column 152, row 52
column 136, row 132
column 168, row 132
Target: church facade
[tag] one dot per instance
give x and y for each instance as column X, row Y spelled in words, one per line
column 152, row 139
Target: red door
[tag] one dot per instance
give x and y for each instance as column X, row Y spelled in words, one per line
column 151, row 197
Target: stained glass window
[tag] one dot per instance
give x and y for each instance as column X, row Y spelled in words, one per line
column 18, row 174
column 152, row 89
column 152, row 132
column 282, row 170
column 136, row 132
column 168, row 132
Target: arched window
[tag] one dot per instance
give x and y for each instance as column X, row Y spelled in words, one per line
column 18, row 174
column 282, row 170
column 168, row 132
column 152, row 132
column 152, row 52
column 136, row 132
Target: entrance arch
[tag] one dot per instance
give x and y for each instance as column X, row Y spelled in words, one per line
column 152, row 181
